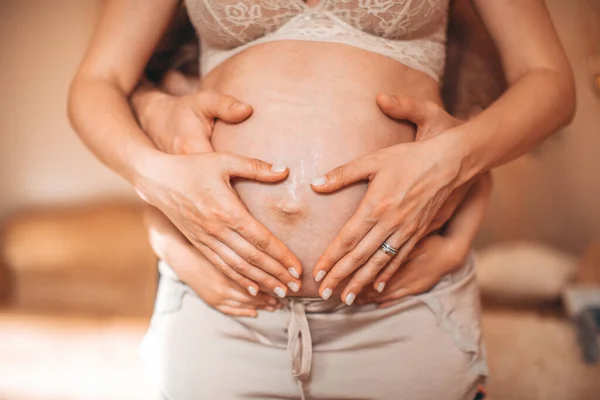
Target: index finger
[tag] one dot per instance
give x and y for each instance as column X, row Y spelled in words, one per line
column 257, row 234
column 349, row 237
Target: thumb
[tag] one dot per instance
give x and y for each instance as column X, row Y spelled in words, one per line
column 402, row 107
column 354, row 171
column 252, row 168
column 213, row 105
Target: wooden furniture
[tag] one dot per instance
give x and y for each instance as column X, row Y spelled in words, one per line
column 91, row 259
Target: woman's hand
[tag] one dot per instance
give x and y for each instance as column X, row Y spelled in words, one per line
column 432, row 258
column 437, row 255
column 194, row 191
column 201, row 201
column 201, row 276
column 408, row 185
column 184, row 124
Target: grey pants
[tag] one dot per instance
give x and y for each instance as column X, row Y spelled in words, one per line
column 425, row 348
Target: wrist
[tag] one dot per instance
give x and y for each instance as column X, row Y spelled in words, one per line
column 460, row 154
column 141, row 162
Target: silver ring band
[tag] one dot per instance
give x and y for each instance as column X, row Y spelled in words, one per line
column 389, row 250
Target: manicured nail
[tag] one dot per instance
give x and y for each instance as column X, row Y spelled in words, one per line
column 320, row 181
column 279, row 292
column 326, row 294
column 350, row 298
column 294, row 273
column 320, row 276
column 278, row 168
column 252, row 290
column 380, row 287
column 294, row 286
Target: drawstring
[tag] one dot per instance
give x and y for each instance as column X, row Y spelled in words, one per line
column 299, row 344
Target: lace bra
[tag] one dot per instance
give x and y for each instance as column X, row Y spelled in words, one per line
column 412, row 32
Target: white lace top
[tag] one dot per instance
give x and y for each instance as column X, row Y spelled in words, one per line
column 412, row 32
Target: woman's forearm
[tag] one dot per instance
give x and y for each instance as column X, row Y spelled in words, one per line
column 102, row 116
column 532, row 109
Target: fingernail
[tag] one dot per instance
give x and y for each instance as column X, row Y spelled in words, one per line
column 252, row 290
column 279, row 292
column 350, row 298
column 326, row 294
column 294, row 286
column 320, row 181
column 390, row 97
column 380, row 287
column 320, row 276
column 273, row 301
column 239, row 106
column 294, row 273
column 278, row 168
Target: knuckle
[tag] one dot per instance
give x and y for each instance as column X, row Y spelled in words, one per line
column 349, row 242
column 268, row 283
column 334, row 279
column 221, row 292
column 281, row 275
column 411, row 228
column 219, row 214
column 221, row 265
column 253, row 258
column 362, row 281
column 382, row 206
column 381, row 262
column 212, row 229
column 255, row 165
column 240, row 267
column 235, row 220
column 240, row 222
column 360, row 257
column 386, row 275
column 262, row 243
column 337, row 174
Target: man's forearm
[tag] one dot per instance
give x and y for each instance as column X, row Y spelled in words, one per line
column 525, row 115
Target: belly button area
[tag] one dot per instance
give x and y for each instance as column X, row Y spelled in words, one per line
column 288, row 211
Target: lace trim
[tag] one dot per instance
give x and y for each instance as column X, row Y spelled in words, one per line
column 425, row 54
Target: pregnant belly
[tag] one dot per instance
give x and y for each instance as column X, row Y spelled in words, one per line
column 311, row 120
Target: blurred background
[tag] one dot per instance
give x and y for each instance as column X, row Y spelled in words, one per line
column 77, row 276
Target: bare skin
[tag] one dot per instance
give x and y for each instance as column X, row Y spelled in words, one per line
column 288, row 127
column 397, row 207
column 177, row 124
